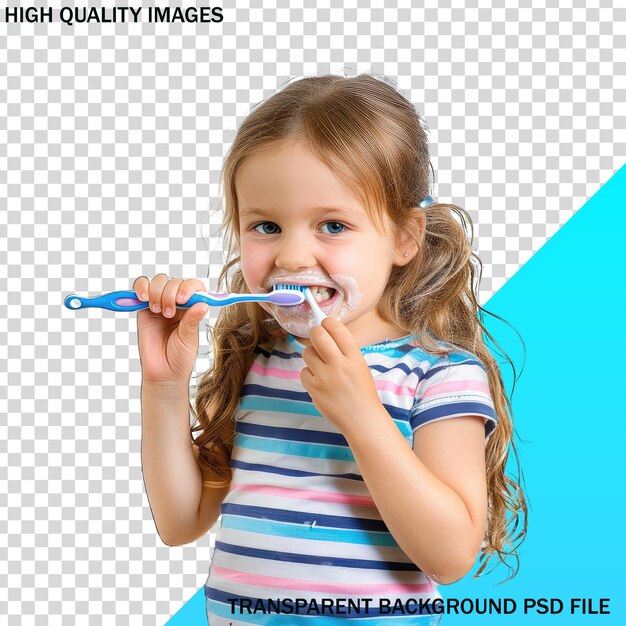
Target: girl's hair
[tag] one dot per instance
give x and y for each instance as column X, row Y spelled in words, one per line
column 373, row 139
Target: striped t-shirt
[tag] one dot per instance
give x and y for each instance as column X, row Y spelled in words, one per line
column 301, row 540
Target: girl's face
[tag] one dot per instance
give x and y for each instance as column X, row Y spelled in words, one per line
column 300, row 225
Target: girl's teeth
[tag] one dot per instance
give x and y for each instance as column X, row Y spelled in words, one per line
column 320, row 293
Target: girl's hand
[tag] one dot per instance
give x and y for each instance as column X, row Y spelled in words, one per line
column 337, row 377
column 168, row 337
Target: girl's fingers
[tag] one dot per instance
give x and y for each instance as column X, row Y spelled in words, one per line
column 188, row 327
column 187, row 288
column 312, row 359
column 165, row 293
column 341, row 336
column 140, row 287
column 157, row 284
column 324, row 344
column 307, row 378
column 168, row 297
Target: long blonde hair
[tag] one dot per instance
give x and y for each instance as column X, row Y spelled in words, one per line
column 373, row 139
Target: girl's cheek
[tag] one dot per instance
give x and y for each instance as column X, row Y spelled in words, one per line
column 249, row 275
column 254, row 267
column 344, row 257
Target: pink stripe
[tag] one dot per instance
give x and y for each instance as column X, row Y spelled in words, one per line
column 308, row 585
column 275, row 371
column 399, row 390
column 305, row 494
column 459, row 385
column 382, row 385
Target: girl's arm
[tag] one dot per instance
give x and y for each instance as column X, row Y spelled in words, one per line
column 433, row 498
column 183, row 509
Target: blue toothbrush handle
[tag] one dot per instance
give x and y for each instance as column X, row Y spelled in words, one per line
column 114, row 301
column 125, row 301
column 128, row 301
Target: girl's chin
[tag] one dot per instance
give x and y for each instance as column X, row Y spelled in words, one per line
column 297, row 330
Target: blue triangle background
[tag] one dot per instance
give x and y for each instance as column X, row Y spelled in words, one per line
column 567, row 303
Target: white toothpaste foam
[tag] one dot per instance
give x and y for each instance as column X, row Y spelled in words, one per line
column 299, row 322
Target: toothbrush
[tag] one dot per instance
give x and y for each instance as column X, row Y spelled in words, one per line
column 128, row 301
column 310, row 298
column 315, row 307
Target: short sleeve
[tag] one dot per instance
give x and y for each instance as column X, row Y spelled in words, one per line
column 454, row 386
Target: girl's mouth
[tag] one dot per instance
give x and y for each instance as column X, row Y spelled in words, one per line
column 326, row 297
column 336, row 301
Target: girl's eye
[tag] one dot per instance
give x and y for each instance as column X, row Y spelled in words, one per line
column 268, row 228
column 334, row 228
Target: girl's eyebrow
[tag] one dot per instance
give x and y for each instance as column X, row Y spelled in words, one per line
column 254, row 211
column 250, row 212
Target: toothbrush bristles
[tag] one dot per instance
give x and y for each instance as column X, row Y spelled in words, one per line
column 310, row 298
column 286, row 286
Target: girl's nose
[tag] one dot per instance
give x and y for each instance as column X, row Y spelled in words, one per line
column 294, row 254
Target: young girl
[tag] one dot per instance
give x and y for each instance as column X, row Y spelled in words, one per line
column 356, row 463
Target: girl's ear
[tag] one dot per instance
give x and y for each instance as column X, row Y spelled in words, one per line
column 407, row 240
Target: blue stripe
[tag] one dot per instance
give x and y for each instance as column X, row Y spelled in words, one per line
column 309, row 559
column 456, row 409
column 278, row 405
column 301, row 531
column 404, row 426
column 286, row 356
column 268, row 350
column 434, row 370
column 259, row 349
column 293, row 434
column 293, row 448
column 271, row 392
column 222, row 608
column 454, row 361
column 297, row 517
column 311, row 436
column 460, row 358
column 398, row 414
column 416, row 371
column 285, row 471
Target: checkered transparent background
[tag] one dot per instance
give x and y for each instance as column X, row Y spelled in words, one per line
column 111, row 141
